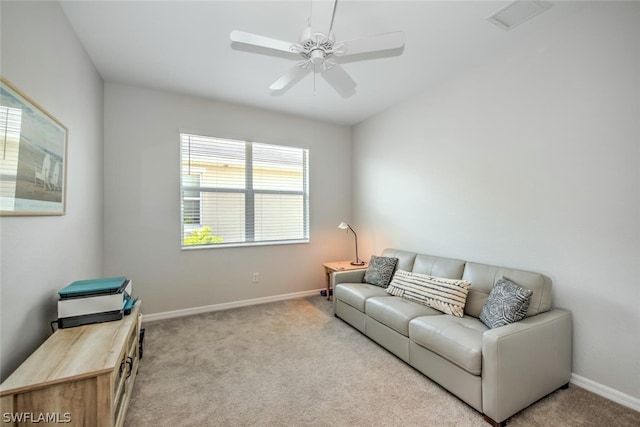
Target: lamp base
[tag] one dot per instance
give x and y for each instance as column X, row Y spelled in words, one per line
column 358, row 263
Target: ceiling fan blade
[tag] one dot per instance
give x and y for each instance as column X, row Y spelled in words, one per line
column 287, row 80
column 262, row 41
column 337, row 77
column 384, row 41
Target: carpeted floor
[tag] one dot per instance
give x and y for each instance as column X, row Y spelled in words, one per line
column 292, row 363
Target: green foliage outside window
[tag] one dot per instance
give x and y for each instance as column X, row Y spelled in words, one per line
column 202, row 236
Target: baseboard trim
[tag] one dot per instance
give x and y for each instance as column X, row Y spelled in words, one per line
column 225, row 306
column 606, row 392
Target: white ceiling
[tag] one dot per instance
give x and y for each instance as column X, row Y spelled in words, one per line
column 184, row 46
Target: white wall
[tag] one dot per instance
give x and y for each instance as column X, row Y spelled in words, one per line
column 42, row 57
column 142, row 201
column 529, row 160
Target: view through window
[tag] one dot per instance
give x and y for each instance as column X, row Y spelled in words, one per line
column 242, row 193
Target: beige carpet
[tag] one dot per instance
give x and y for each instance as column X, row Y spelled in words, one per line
column 292, row 363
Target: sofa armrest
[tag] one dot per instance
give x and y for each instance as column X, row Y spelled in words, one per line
column 350, row 276
column 524, row 361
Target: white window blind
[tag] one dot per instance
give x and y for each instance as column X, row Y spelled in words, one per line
column 242, row 193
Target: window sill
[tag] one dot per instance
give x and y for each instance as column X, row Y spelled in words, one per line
column 246, row 244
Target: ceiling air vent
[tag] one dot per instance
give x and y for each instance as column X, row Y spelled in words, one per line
column 517, row 12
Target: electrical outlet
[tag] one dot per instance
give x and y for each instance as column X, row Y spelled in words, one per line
column 255, row 278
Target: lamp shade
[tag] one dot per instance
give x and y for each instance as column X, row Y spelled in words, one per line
column 343, row 226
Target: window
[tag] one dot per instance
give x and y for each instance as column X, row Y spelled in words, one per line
column 242, row 193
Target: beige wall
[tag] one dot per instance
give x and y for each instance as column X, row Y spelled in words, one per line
column 142, row 201
column 43, row 58
column 528, row 160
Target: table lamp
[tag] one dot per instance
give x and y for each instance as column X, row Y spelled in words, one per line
column 345, row 226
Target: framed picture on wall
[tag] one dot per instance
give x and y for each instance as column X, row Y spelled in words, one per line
column 33, row 157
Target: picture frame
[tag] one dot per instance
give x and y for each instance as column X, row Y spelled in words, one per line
column 33, row 157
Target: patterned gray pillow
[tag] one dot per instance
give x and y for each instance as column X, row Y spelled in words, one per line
column 507, row 303
column 380, row 271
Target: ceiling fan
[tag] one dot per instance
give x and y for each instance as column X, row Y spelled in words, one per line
column 321, row 50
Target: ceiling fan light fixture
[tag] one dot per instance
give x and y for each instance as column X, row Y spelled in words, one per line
column 317, row 56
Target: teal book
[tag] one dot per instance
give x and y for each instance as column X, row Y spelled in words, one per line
column 94, row 287
column 128, row 305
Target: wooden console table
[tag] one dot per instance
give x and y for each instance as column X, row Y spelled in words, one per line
column 80, row 376
column 332, row 267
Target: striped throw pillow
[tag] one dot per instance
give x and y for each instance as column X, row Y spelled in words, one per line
column 446, row 295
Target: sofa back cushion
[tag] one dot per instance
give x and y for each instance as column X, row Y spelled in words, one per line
column 483, row 277
column 439, row 267
column 405, row 258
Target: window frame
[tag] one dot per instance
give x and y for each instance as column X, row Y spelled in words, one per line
column 249, row 193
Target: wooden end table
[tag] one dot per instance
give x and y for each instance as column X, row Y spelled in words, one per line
column 332, row 267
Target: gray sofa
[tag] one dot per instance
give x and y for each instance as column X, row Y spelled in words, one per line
column 496, row 371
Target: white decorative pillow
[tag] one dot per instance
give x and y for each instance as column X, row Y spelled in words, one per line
column 446, row 295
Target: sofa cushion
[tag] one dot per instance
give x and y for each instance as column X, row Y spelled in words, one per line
column 438, row 266
column 380, row 271
column 405, row 258
column 446, row 295
column 483, row 278
column 396, row 313
column 507, row 303
column 457, row 339
column 356, row 294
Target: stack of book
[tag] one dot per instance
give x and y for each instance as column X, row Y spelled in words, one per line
column 94, row 300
